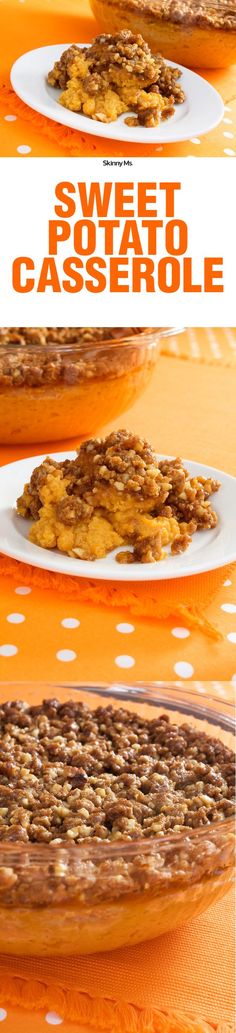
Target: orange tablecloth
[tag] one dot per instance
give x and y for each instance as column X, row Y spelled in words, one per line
column 27, row 24
column 181, row 983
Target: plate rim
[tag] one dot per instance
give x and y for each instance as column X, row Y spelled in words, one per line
column 90, row 127
column 102, row 575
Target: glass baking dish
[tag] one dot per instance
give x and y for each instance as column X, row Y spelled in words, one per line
column 195, row 33
column 82, row 899
column 65, row 389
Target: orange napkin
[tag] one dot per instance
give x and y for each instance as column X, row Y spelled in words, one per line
column 187, row 598
column 181, row 983
column 37, row 23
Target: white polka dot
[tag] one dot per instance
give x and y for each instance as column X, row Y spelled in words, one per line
column 22, row 590
column 233, row 679
column 3, row 1014
column 23, row 149
column 8, row 650
column 228, row 121
column 230, row 153
column 180, row 632
column 232, row 637
column 184, row 669
column 227, row 108
column 53, row 1019
column 124, row 661
column 229, row 136
column 125, row 629
column 66, row 655
column 70, row 622
column 227, row 583
column 195, row 140
column 228, row 607
column 10, row 118
column 15, row 618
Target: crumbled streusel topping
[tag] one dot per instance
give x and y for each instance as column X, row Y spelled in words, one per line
column 115, row 75
column 68, row 772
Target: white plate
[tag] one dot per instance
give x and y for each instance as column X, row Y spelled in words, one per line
column 208, row 550
column 201, row 111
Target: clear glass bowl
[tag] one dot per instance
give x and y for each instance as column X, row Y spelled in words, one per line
column 85, row 899
column 85, row 386
column 195, row 33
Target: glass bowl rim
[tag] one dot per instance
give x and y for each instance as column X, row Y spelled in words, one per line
column 148, row 335
column 139, row 691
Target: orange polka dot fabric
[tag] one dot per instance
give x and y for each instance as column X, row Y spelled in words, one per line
column 23, row 133
column 46, row 628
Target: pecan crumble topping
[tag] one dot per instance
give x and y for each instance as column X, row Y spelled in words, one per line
column 70, row 772
column 115, row 75
column 116, row 493
column 41, row 336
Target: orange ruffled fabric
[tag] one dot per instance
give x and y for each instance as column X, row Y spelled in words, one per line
column 187, row 598
column 181, row 983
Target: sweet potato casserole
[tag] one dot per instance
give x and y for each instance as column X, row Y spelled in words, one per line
column 116, row 492
column 197, row 33
column 117, row 74
column 115, row 821
column 61, row 382
column 69, row 772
